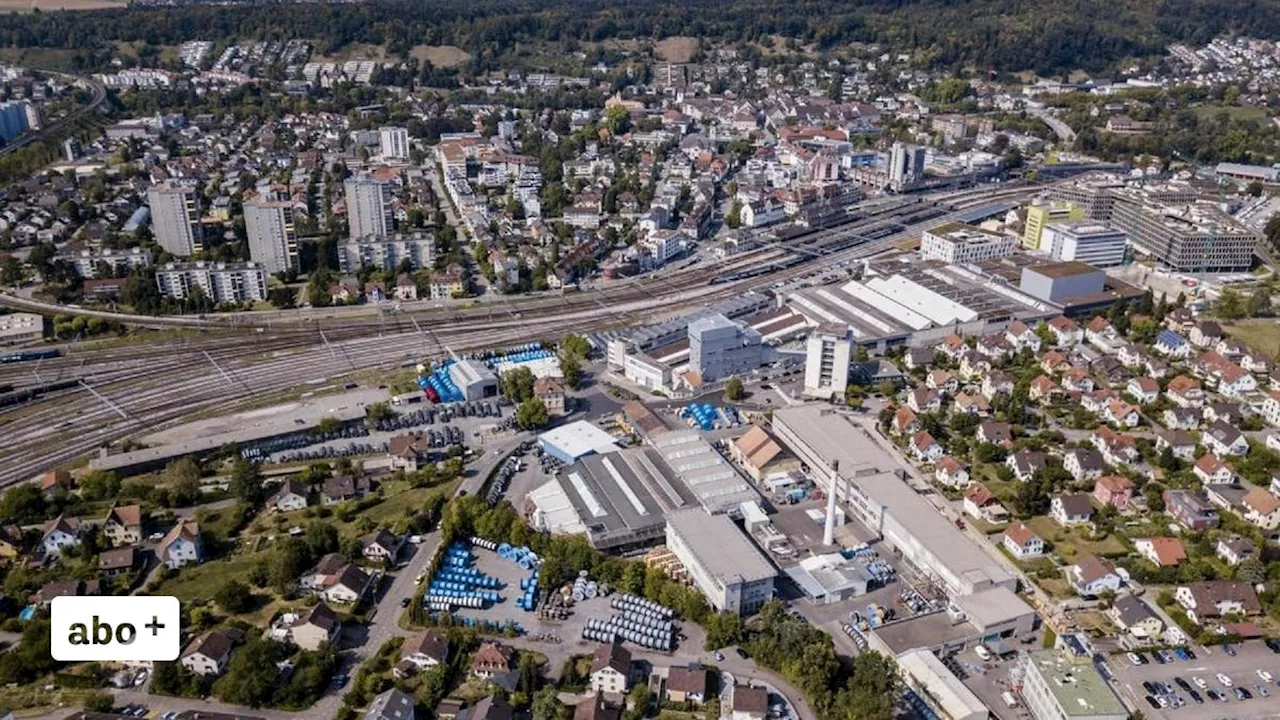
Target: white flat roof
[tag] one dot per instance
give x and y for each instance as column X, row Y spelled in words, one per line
column 578, row 438
column 720, row 547
column 928, row 673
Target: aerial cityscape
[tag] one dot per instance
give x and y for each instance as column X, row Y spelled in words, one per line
column 564, row 360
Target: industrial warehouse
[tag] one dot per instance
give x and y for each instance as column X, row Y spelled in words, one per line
column 618, row 499
column 841, row 453
column 902, row 300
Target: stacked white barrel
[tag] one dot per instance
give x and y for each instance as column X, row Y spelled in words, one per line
column 642, row 622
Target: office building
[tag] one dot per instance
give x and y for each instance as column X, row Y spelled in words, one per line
column 1041, row 216
column 175, row 219
column 720, row 347
column 1191, row 237
column 273, row 239
column 1169, row 221
column 1058, row 686
column 906, row 166
column 845, row 458
column 957, row 243
column 20, row 328
column 386, row 253
column 828, row 351
column 13, row 119
column 220, row 282
column 394, row 143
column 368, row 208
column 725, row 565
column 1086, row 242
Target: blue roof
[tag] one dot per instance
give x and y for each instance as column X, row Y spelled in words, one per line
column 1169, row 338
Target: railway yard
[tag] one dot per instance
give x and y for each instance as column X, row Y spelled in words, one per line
column 226, row 362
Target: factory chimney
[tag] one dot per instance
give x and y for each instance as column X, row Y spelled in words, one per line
column 829, row 530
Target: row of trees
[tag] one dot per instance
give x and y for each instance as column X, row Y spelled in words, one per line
column 1000, row 34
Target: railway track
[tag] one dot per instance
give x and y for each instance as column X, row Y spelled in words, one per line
column 141, row 396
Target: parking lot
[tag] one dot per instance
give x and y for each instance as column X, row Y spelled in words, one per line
column 1201, row 675
column 567, row 632
column 443, row 426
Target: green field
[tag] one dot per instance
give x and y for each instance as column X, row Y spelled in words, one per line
column 1261, row 334
column 1070, row 543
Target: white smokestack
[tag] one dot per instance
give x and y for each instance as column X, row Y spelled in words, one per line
column 829, row 530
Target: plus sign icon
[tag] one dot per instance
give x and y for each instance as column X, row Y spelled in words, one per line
column 121, row 629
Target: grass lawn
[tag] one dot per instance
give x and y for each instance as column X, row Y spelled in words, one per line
column 1263, row 335
column 396, row 505
column 1070, row 543
column 34, row 701
column 202, row 581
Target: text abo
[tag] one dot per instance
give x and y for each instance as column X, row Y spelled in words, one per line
column 121, row 629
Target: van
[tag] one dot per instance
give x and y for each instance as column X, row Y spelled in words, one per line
column 1008, row 699
column 982, row 652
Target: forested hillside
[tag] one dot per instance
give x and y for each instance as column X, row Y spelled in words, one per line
column 995, row 34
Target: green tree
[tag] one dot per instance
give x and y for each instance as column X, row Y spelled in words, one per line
column 252, row 675
column 733, row 390
column 246, row 482
column 873, row 688
column 733, row 218
column 99, row 702
column 99, row 485
column 571, row 368
column 1229, row 305
column 380, row 411
column 854, row 395
column 547, row 706
column 327, row 426
column 235, row 597
column 1252, row 571
column 517, row 384
column 575, row 345
column 532, row 414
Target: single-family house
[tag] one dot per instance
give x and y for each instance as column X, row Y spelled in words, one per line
column 1180, row 442
column 60, row 533
column 1161, row 551
column 181, row 545
column 611, row 669
column 1192, row 511
column 925, row 448
column 1235, row 549
column 1143, row 389
column 1026, row 463
column 1224, row 440
column 1071, row 509
column 1091, row 577
column 493, row 658
column 381, row 545
column 1185, row 391
column 208, row 654
column 1130, row 614
column 1212, row 599
column 1213, row 471
column 951, row 472
column 1022, row 542
column 1066, row 332
column 123, row 525
column 981, row 503
column 1115, row 490
column 292, row 495
column 423, row 651
column 1084, row 464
